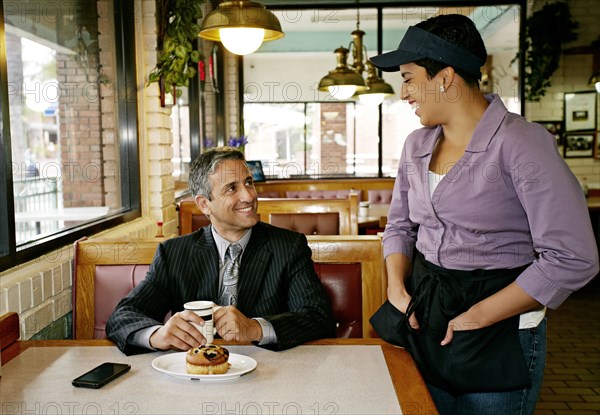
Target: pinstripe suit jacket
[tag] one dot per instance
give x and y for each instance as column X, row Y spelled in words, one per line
column 277, row 282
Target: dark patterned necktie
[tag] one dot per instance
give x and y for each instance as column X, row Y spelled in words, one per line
column 231, row 275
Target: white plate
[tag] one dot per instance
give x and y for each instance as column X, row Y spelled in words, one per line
column 173, row 364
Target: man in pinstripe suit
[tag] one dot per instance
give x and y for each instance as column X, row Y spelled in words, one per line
column 281, row 302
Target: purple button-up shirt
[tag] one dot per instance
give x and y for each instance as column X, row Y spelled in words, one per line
column 509, row 201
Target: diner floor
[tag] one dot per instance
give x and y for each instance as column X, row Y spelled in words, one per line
column 572, row 376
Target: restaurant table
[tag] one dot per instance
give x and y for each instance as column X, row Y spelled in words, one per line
column 329, row 376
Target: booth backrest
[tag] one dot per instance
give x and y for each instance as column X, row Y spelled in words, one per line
column 308, row 223
column 268, row 194
column 380, row 196
column 104, row 272
column 365, row 250
column 343, row 285
column 112, row 283
column 321, row 194
column 312, row 217
column 191, row 217
column 361, row 185
column 350, row 268
column 323, row 217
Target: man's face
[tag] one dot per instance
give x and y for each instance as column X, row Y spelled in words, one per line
column 232, row 209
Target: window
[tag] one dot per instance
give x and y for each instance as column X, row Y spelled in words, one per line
column 283, row 76
column 69, row 110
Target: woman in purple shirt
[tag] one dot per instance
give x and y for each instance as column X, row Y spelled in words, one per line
column 487, row 227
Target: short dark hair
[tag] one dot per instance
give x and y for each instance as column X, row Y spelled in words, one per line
column 206, row 164
column 461, row 31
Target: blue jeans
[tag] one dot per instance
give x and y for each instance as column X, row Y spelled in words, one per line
column 518, row 402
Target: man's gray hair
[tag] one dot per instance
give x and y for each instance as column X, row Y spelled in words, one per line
column 205, row 165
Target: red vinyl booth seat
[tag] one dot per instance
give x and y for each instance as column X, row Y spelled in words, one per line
column 112, row 283
column 342, row 283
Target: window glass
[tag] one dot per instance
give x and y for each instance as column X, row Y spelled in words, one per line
column 63, row 115
column 180, row 121
column 302, row 139
column 288, row 71
column 325, row 137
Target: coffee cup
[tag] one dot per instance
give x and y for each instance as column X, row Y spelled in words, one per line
column 205, row 310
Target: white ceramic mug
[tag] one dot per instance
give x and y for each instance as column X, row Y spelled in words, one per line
column 205, row 310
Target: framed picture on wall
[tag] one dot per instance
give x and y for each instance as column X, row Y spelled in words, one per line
column 580, row 144
column 597, row 148
column 580, row 111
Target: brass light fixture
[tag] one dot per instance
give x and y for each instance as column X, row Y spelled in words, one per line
column 345, row 81
column 378, row 88
column 241, row 26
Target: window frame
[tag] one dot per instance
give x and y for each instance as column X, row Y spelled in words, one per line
column 10, row 256
column 380, row 6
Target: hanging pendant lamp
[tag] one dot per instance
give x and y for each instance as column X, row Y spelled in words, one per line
column 241, row 25
column 346, row 82
column 342, row 82
column 378, row 88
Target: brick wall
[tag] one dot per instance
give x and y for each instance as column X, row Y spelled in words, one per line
column 332, row 153
column 80, row 145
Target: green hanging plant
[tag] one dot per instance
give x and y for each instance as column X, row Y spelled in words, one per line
column 177, row 30
column 545, row 32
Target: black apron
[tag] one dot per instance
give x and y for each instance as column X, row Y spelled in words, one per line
column 489, row 359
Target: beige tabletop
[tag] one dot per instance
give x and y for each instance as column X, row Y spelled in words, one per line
column 326, row 377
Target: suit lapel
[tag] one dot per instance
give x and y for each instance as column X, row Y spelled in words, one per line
column 253, row 268
column 205, row 265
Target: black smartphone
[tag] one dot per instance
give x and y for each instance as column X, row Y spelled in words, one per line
column 101, row 375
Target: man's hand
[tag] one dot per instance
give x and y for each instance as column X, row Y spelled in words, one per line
column 178, row 332
column 232, row 325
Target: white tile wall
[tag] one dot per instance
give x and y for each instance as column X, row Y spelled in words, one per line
column 37, row 294
column 25, row 295
column 47, row 283
column 4, row 301
column 572, row 75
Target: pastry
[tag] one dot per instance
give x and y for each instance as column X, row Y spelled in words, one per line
column 207, row 360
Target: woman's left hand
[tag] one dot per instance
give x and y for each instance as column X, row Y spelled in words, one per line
column 509, row 301
column 463, row 322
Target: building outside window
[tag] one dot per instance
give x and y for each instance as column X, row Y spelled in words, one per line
column 68, row 110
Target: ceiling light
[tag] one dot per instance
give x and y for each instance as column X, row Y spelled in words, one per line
column 241, row 26
column 378, row 88
column 345, row 81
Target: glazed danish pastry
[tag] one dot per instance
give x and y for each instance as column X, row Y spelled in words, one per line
column 207, row 360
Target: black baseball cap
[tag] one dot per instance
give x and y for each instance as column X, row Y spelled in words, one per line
column 418, row 44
